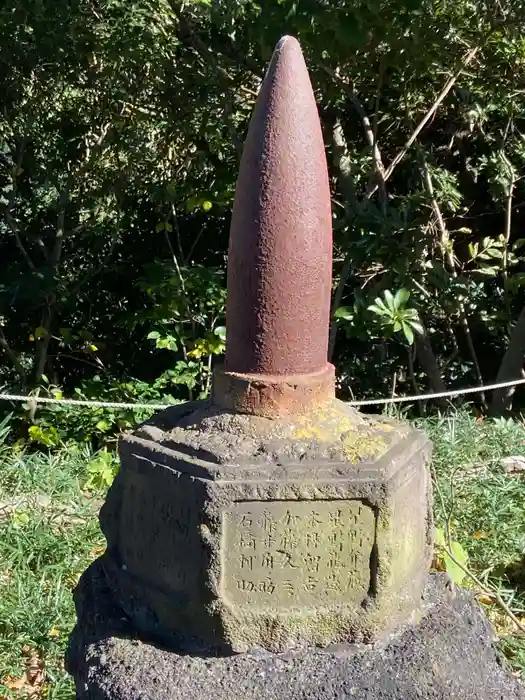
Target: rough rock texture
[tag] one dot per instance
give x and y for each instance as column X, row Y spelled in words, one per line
column 448, row 655
column 237, row 531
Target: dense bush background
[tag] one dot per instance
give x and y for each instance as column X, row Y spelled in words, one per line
column 121, row 127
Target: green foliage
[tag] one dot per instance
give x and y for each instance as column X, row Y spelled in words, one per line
column 55, row 424
column 480, row 502
column 102, row 469
column 120, row 136
column 187, row 305
column 45, row 435
column 451, row 557
column 48, row 535
column 394, row 315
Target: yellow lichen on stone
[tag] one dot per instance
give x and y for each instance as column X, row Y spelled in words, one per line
column 338, row 424
column 362, row 445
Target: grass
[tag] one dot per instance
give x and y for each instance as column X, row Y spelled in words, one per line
column 484, row 507
column 49, row 534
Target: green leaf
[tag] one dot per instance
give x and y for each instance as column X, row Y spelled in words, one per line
column 455, row 572
column 192, row 203
column 458, row 553
column 416, row 326
column 19, row 518
column 401, row 298
column 389, row 300
column 154, row 335
column 167, row 343
column 487, row 270
column 44, row 435
column 409, row 335
column 345, row 313
column 220, row 331
column 495, row 253
column 379, row 308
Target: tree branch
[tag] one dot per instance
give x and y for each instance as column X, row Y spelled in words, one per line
column 511, row 367
column 11, row 354
column 447, row 252
column 8, row 212
column 369, row 135
column 468, row 58
column 508, row 212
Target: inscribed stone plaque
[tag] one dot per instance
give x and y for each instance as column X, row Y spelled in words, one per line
column 289, row 553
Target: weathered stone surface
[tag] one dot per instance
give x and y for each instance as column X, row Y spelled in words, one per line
column 448, row 655
column 229, row 531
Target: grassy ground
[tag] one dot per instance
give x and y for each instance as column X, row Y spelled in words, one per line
column 49, row 534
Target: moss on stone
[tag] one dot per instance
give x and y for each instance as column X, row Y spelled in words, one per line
column 336, row 423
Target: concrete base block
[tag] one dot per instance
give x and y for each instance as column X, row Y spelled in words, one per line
column 447, row 655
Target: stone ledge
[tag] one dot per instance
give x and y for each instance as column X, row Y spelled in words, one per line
column 449, row 655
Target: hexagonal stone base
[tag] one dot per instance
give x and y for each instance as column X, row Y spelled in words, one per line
column 231, row 532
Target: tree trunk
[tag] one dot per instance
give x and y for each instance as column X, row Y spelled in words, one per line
column 427, row 360
column 511, row 367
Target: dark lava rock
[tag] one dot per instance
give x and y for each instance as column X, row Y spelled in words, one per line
column 448, row 655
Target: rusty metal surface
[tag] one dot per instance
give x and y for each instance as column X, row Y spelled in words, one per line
column 280, row 254
column 273, row 396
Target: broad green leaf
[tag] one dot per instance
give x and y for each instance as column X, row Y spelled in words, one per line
column 345, row 313
column 389, row 300
column 455, row 572
column 495, row 253
column 409, row 335
column 487, row 270
column 379, row 308
column 401, row 297
column 416, row 326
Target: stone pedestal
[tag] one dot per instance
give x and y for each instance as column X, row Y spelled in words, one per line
column 447, row 655
column 227, row 532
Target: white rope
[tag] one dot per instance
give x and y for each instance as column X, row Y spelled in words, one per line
column 81, row 402
column 438, row 395
column 161, row 406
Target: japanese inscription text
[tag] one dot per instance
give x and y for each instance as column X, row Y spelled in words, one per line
column 284, row 553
